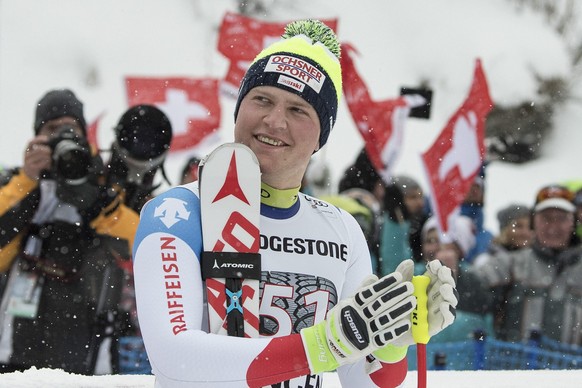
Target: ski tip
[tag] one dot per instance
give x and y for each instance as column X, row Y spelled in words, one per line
column 229, row 147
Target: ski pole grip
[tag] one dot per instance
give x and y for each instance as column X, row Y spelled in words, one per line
column 420, row 314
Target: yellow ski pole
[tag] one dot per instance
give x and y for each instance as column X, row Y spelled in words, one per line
column 420, row 325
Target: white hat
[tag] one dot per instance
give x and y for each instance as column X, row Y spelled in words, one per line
column 555, row 203
column 461, row 232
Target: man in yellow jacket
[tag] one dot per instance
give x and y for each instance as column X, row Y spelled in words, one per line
column 63, row 238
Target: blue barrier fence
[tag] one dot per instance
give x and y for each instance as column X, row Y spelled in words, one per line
column 133, row 359
column 492, row 354
column 479, row 354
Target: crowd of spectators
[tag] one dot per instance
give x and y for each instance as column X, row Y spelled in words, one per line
column 522, row 281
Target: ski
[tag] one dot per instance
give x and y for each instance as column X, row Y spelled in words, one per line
column 230, row 201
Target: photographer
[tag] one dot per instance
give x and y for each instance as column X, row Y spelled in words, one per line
column 142, row 140
column 63, row 236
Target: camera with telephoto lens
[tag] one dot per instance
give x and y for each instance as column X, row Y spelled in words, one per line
column 71, row 156
column 142, row 140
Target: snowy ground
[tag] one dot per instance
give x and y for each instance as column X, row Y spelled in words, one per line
column 48, row 378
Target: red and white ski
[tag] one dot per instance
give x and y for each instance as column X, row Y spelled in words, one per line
column 230, row 200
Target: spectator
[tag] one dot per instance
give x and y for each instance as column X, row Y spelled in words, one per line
column 459, row 239
column 190, row 170
column 538, row 288
column 361, row 175
column 63, row 232
column 416, row 204
column 367, row 199
column 430, row 239
column 575, row 186
column 514, row 227
column 394, row 245
column 362, row 205
column 284, row 116
column 142, row 140
column 474, row 301
column 472, row 207
column 403, row 210
column 394, row 226
column 514, row 232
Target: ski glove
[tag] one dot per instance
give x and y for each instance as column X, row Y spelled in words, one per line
column 378, row 313
column 442, row 301
column 391, row 353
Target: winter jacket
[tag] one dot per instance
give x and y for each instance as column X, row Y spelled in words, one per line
column 473, row 310
column 482, row 235
column 70, row 257
column 535, row 289
column 394, row 245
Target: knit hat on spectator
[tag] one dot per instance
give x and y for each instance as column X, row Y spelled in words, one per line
column 361, row 174
column 304, row 62
column 56, row 104
column 461, row 232
column 555, row 197
column 511, row 213
column 406, row 183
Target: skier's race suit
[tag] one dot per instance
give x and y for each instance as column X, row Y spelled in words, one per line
column 313, row 255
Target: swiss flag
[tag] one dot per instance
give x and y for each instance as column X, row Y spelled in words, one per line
column 240, row 40
column 456, row 156
column 381, row 123
column 192, row 105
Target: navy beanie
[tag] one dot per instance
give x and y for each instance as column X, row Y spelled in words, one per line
column 59, row 103
column 304, row 62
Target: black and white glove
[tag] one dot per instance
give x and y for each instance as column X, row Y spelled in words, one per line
column 377, row 314
column 442, row 302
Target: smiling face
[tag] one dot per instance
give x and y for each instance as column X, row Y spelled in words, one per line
column 553, row 228
column 518, row 233
column 282, row 129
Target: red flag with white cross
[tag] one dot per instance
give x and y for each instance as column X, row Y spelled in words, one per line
column 456, row 156
column 240, row 40
column 381, row 123
column 192, row 105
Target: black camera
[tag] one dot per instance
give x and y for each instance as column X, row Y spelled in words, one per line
column 72, row 158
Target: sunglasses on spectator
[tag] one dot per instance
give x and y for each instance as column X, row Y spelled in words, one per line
column 554, row 191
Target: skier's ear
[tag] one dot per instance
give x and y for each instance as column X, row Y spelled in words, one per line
column 317, row 145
